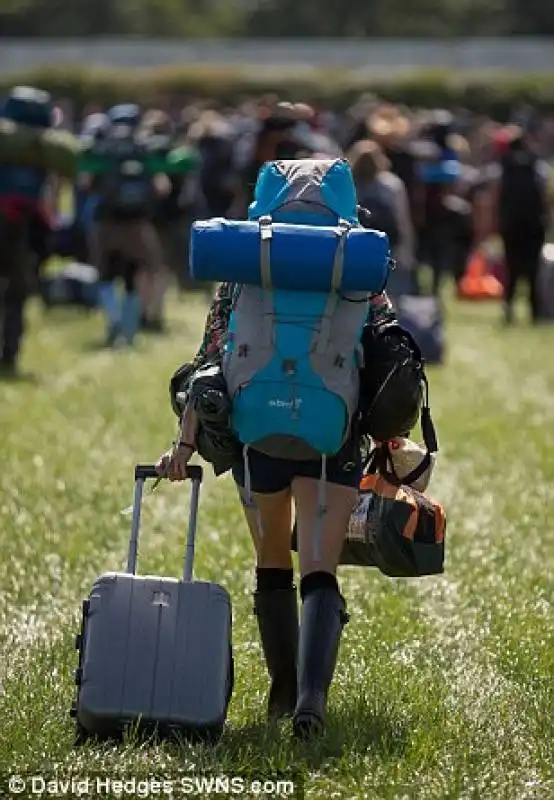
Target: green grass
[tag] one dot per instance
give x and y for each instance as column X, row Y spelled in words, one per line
column 445, row 686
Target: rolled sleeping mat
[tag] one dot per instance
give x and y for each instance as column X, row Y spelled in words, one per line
column 49, row 150
column 301, row 257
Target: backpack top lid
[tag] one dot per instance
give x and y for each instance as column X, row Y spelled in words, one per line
column 95, row 125
column 124, row 114
column 29, row 106
column 305, row 191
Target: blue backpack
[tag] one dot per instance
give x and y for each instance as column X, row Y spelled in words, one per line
column 32, row 107
column 27, row 182
column 292, row 356
column 125, row 189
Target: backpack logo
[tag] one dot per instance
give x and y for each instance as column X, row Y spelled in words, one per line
column 292, row 405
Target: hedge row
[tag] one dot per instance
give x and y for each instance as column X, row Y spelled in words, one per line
column 491, row 93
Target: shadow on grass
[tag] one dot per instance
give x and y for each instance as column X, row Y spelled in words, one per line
column 18, row 377
column 269, row 748
column 98, row 346
column 266, row 750
column 66, row 314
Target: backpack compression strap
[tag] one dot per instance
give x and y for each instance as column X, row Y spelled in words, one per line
column 266, row 235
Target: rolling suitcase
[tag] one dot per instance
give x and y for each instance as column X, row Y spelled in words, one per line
column 154, row 652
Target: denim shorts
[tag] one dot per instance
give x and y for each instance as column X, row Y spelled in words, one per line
column 269, row 475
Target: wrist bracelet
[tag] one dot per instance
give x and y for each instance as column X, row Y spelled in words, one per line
column 185, row 444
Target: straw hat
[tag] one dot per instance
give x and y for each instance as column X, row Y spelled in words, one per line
column 388, row 123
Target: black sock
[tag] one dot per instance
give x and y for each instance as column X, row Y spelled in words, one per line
column 317, row 580
column 271, row 579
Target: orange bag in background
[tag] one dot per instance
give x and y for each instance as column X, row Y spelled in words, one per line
column 478, row 282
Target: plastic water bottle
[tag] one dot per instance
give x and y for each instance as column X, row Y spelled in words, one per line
column 358, row 526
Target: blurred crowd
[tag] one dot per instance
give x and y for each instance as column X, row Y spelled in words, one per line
column 433, row 224
column 440, row 183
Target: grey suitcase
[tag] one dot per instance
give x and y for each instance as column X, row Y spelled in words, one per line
column 154, row 653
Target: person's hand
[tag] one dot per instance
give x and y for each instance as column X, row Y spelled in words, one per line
column 173, row 464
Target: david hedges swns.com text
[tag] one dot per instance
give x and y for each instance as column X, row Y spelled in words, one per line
column 183, row 785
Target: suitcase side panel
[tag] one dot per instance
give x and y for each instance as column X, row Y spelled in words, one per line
column 168, row 634
column 202, row 656
column 104, row 653
column 145, row 618
column 119, row 650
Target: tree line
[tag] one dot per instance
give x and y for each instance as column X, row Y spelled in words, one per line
column 276, row 18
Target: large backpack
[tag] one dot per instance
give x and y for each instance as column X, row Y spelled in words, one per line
column 21, row 181
column 522, row 199
column 125, row 189
column 32, row 108
column 292, row 357
column 29, row 106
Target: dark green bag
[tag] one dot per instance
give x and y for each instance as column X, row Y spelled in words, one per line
column 393, row 527
column 205, row 389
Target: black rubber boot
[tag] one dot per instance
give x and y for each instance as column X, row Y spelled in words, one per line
column 277, row 615
column 322, row 619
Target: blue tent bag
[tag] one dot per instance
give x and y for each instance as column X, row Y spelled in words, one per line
column 302, row 256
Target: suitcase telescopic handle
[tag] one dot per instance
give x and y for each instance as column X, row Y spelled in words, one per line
column 142, row 473
column 145, row 471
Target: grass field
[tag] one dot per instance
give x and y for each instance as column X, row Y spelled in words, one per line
column 445, row 686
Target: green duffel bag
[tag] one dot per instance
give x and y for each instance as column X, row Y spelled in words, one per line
column 51, row 150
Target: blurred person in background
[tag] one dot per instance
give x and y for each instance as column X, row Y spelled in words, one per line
column 438, row 171
column 213, row 136
column 25, row 223
column 384, row 196
column 520, row 193
column 354, row 124
column 124, row 243
column 393, row 133
column 459, row 203
column 93, row 130
column 169, row 217
column 309, row 133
